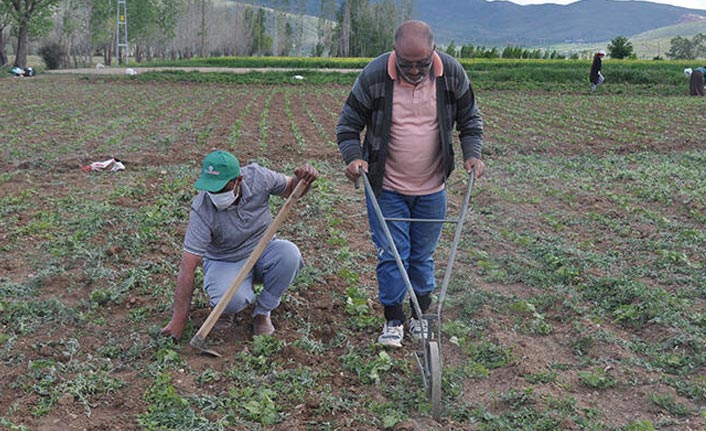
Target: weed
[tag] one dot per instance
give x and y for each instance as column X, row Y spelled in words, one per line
column 368, row 370
column 668, row 403
column 536, row 325
column 596, row 379
column 389, row 414
column 309, row 345
column 85, row 387
column 642, row 425
column 456, row 330
column 266, row 346
column 488, row 354
column 695, row 390
column 25, row 317
column 208, row 376
column 167, row 410
column 256, row 405
column 330, row 404
column 11, row 426
column 541, row 377
column 360, row 310
column 166, row 358
column 582, row 345
column 516, row 399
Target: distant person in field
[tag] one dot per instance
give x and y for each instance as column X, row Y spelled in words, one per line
column 409, row 101
column 596, row 76
column 696, row 80
column 228, row 218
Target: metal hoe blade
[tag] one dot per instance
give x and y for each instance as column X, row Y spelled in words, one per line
column 200, row 343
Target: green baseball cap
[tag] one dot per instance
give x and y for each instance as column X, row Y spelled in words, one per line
column 217, row 169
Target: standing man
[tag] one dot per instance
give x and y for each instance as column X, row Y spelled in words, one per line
column 226, row 222
column 409, row 100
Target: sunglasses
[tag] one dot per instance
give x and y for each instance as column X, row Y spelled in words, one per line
column 409, row 65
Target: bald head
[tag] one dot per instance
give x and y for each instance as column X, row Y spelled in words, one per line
column 414, row 35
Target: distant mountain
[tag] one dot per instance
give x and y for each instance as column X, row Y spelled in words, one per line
column 501, row 23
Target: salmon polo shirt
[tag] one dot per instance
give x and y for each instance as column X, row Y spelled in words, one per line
column 414, row 164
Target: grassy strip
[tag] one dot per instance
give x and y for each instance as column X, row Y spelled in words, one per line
column 566, row 76
column 288, row 62
column 254, row 77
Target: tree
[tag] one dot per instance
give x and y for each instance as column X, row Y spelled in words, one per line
column 101, row 26
column 620, row 48
column 72, row 33
column 4, row 24
column 325, row 28
column 681, row 48
column 699, row 42
column 366, row 30
column 27, row 15
column 151, row 24
column 262, row 42
column 202, row 31
column 452, row 49
column 468, row 51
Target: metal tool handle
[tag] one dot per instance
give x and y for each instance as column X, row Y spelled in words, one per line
column 391, row 243
column 457, row 238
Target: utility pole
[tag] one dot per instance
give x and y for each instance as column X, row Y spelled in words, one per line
column 121, row 32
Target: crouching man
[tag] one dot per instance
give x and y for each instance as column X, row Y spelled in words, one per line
column 227, row 220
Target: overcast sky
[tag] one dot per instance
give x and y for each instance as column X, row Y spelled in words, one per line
column 691, row 4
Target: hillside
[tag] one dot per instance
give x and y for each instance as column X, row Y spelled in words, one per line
column 647, row 45
column 657, row 42
column 502, row 23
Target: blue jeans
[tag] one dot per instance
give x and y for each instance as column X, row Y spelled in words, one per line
column 275, row 269
column 415, row 243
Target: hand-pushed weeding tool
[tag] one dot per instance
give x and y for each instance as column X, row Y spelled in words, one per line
column 429, row 356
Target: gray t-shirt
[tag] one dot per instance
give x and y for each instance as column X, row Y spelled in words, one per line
column 232, row 234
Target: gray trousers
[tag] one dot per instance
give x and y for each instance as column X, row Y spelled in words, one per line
column 275, row 269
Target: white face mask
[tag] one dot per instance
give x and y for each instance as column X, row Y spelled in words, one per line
column 223, row 200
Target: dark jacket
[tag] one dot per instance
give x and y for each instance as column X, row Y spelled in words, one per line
column 696, row 83
column 595, row 68
column 369, row 106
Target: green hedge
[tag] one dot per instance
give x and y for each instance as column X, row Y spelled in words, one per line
column 622, row 76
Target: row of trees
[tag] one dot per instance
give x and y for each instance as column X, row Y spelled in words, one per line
column 175, row 29
column 472, row 51
column 618, row 48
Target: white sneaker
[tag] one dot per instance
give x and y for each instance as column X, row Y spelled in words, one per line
column 391, row 335
column 418, row 328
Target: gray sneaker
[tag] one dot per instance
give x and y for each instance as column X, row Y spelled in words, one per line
column 418, row 328
column 391, row 335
